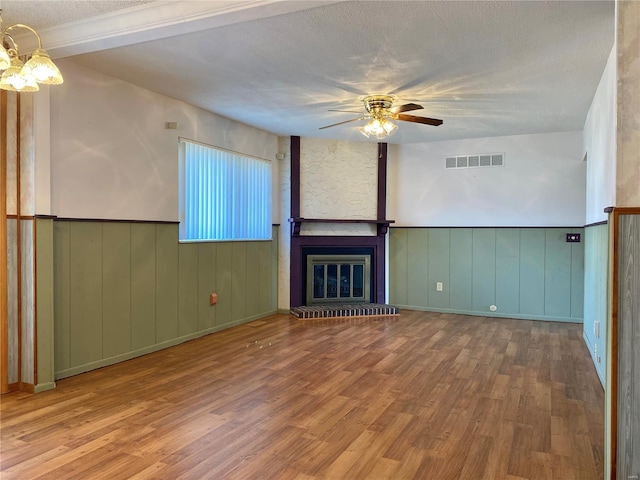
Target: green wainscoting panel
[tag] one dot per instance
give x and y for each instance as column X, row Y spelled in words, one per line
column 166, row 282
column 116, row 289
column 532, row 264
column 530, row 273
column 61, row 295
column 187, row 288
column 207, row 253
column 124, row 289
column 484, row 269
column 44, row 304
column 253, row 279
column 238, row 280
column 461, row 280
column 596, row 288
column 143, row 285
column 418, row 269
column 439, row 267
column 577, row 277
column 557, row 272
column 508, row 270
column 85, row 243
column 398, row 257
column 224, row 274
column 265, row 280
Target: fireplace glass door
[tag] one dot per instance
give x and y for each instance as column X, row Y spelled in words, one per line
column 338, row 279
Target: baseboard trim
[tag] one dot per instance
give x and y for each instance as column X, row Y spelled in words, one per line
column 517, row 316
column 43, row 387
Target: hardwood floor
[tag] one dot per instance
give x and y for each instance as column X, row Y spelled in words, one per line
column 420, row 396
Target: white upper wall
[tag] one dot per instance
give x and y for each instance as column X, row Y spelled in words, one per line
column 541, row 184
column 113, row 158
column 600, row 145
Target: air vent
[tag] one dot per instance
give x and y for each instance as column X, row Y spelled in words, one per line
column 475, row 160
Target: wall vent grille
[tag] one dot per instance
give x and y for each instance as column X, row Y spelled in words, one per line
column 475, row 160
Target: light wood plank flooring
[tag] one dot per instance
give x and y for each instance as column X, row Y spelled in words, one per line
column 420, row 396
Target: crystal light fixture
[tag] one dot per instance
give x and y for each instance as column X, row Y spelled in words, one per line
column 18, row 76
column 379, row 127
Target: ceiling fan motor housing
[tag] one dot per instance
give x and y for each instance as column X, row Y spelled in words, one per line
column 378, row 104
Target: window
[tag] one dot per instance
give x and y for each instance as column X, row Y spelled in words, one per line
column 223, row 195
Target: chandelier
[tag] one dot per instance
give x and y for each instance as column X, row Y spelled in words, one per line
column 18, row 76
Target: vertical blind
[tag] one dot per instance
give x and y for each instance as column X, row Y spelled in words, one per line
column 223, row 195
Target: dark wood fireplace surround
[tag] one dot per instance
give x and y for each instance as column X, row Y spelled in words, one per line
column 300, row 243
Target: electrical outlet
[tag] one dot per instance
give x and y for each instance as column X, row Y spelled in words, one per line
column 596, row 329
column 439, row 286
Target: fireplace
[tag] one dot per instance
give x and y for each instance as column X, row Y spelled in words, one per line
column 349, row 269
column 338, row 279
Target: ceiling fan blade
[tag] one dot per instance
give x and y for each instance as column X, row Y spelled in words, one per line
column 340, row 123
column 406, row 108
column 412, row 118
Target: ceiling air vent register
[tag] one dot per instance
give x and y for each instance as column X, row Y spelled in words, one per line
column 476, row 160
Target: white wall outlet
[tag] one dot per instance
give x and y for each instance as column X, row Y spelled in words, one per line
column 439, row 286
column 596, row 329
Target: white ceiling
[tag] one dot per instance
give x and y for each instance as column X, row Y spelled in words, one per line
column 487, row 68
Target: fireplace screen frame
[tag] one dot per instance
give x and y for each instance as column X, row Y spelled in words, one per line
column 338, row 260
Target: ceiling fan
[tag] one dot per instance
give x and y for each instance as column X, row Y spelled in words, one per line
column 379, row 110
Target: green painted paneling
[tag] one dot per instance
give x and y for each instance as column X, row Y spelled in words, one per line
column 484, row 268
column 596, row 287
column 166, row 282
column 265, row 281
column 224, row 270
column 557, row 281
column 187, row 288
column 116, row 289
column 508, row 270
column 206, row 284
column 461, row 259
column 143, row 285
column 577, row 278
column 252, row 301
column 62, row 296
column 274, row 268
column 418, row 269
column 124, row 289
column 398, row 257
column 44, row 300
column 85, row 243
column 238, row 280
column 532, row 264
column 439, row 267
column 525, row 272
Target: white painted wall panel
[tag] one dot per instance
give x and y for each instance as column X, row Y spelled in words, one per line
column 541, row 184
column 600, row 145
column 113, row 158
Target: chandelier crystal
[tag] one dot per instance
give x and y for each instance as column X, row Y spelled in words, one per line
column 18, row 76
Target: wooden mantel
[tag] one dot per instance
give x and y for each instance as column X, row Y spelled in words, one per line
column 382, row 226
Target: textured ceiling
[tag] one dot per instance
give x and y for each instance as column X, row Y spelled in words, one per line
column 486, row 68
column 47, row 13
